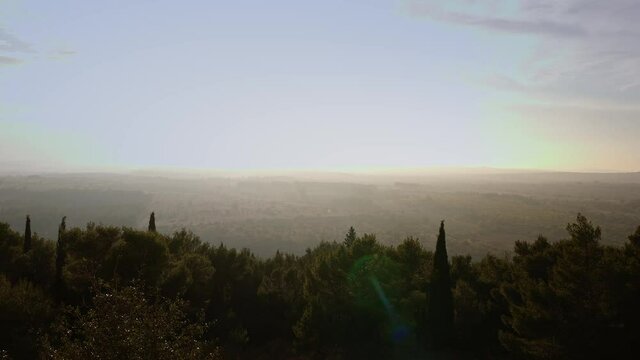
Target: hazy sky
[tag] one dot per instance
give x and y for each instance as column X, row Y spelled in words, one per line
column 320, row 84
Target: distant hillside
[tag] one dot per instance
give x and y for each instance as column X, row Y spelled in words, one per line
column 487, row 210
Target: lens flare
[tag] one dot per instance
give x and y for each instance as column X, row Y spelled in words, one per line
column 368, row 278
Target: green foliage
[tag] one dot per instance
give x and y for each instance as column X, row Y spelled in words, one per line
column 10, row 250
column 125, row 324
column 174, row 296
column 37, row 265
column 25, row 312
column 189, row 277
column 138, row 255
column 280, row 298
column 233, row 296
column 564, row 302
column 350, row 237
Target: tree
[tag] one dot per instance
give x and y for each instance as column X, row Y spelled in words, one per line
column 124, row 324
column 569, row 305
column 152, row 222
column 61, row 256
column 634, row 239
column 350, row 237
column 630, row 310
column 27, row 235
column 416, row 265
column 10, row 250
column 25, row 313
column 440, row 313
column 138, row 255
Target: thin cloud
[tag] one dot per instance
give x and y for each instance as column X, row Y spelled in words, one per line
column 536, row 27
column 10, row 43
column 66, row 52
column 7, row 60
column 61, row 54
column 586, row 49
column 522, row 27
column 573, row 18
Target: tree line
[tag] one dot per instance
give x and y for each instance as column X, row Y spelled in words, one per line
column 115, row 292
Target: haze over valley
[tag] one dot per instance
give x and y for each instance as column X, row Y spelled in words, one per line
column 487, row 210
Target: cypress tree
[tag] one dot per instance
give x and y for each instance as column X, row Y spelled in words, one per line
column 152, row 222
column 27, row 235
column 440, row 313
column 350, row 237
column 60, row 256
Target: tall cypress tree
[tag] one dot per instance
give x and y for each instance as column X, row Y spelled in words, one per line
column 440, row 314
column 152, row 222
column 27, row 235
column 60, row 257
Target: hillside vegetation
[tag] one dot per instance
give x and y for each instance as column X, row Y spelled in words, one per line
column 110, row 292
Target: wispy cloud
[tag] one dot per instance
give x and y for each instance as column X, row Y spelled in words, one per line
column 542, row 17
column 586, row 48
column 10, row 43
column 514, row 25
column 60, row 54
column 65, row 52
column 13, row 50
column 7, row 60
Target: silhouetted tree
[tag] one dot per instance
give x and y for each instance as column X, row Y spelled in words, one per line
column 25, row 311
column 350, row 237
column 440, row 314
column 138, row 255
column 152, row 222
column 634, row 239
column 60, row 256
column 629, row 307
column 574, row 311
column 27, row 235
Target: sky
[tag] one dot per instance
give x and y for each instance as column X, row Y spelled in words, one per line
column 351, row 84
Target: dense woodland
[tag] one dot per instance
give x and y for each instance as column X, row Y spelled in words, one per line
column 109, row 292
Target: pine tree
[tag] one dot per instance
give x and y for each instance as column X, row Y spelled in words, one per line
column 568, row 312
column 350, row 237
column 27, row 235
column 152, row 222
column 634, row 239
column 60, row 256
column 440, row 314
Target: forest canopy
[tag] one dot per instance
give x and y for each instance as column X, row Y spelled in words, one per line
column 108, row 292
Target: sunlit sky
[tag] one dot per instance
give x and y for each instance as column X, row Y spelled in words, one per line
column 536, row 84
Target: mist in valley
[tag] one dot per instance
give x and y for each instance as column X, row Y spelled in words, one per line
column 486, row 210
